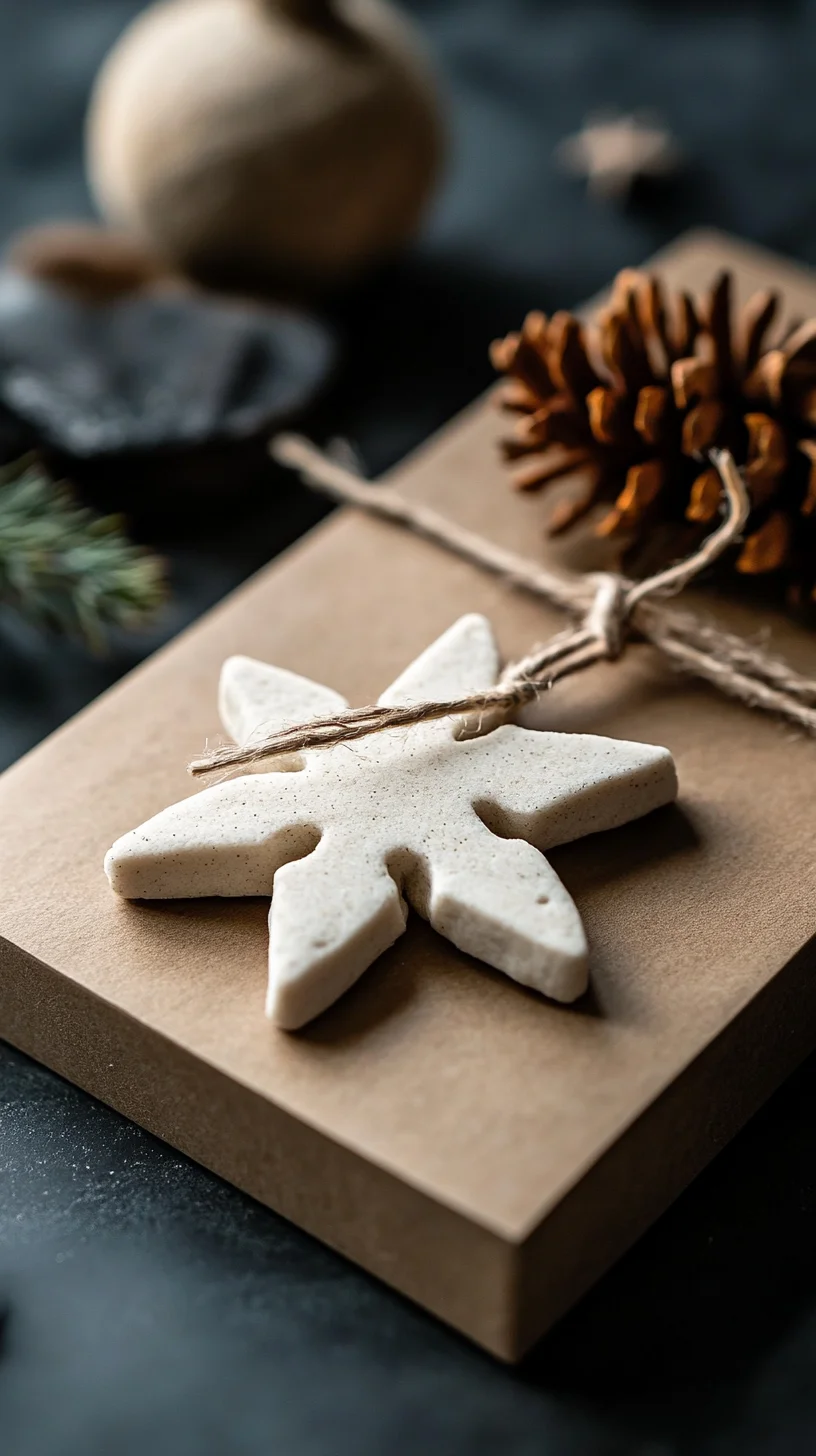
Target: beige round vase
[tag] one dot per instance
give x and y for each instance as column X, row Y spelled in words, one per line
column 265, row 140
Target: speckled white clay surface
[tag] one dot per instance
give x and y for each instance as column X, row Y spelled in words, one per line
column 411, row 816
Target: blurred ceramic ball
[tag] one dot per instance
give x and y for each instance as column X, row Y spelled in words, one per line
column 265, row 140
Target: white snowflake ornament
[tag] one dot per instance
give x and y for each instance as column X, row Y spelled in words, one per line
column 457, row 828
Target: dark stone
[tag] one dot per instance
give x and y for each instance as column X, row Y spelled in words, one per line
column 165, row 372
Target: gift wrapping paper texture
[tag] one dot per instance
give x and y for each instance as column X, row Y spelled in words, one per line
column 485, row 1151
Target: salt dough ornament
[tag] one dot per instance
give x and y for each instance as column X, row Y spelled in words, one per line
column 455, row 827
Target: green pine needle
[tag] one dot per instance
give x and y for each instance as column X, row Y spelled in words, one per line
column 64, row 567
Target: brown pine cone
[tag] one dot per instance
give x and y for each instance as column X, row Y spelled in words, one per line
column 635, row 400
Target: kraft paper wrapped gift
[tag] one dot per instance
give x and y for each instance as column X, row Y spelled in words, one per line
column 485, row 1151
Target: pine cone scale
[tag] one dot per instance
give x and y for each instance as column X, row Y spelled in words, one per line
column 757, row 317
column 705, row 497
column 651, row 413
column 691, row 380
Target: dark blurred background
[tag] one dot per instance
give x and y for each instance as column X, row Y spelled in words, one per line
column 145, row 1305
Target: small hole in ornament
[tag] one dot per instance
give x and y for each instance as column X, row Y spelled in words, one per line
column 542, row 899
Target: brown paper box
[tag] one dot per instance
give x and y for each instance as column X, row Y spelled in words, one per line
column 482, row 1150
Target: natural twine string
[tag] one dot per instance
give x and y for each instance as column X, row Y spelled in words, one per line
column 609, row 608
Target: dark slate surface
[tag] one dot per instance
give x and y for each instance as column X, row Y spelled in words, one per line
column 148, row 1307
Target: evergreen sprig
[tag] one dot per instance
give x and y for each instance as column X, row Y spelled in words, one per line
column 66, row 568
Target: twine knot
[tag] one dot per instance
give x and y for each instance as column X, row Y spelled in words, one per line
column 608, row 617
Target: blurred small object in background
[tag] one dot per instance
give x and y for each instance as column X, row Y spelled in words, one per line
column 613, row 152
